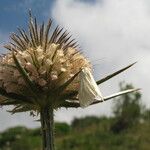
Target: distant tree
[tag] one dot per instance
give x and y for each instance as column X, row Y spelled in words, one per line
column 146, row 115
column 127, row 109
column 81, row 123
column 11, row 135
column 62, row 129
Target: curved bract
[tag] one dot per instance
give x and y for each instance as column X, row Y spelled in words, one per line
column 42, row 66
column 42, row 69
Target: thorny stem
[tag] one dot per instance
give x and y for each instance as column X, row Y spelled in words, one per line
column 47, row 127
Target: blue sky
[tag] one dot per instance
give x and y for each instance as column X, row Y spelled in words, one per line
column 112, row 34
column 13, row 13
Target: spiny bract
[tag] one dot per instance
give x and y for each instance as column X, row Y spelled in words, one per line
column 42, row 68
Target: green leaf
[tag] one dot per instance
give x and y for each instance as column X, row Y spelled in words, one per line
column 76, row 104
column 113, row 74
column 14, row 96
column 66, row 84
column 69, row 95
column 70, row 104
column 25, row 76
column 9, row 102
column 66, row 96
column 21, row 108
column 116, row 95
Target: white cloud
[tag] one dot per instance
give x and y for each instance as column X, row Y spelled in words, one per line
column 116, row 31
column 23, row 119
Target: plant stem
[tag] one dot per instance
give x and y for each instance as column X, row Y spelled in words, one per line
column 47, row 126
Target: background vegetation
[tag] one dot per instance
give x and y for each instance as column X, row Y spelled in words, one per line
column 128, row 129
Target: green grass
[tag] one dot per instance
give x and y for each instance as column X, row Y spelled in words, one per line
column 90, row 133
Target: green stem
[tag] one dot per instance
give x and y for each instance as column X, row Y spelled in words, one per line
column 43, row 130
column 47, row 125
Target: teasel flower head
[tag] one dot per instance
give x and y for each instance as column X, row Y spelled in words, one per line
column 44, row 67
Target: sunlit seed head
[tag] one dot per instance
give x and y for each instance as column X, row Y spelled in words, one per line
column 21, row 81
column 62, row 60
column 48, row 63
column 71, row 51
column 63, row 69
column 42, row 70
column 10, row 87
column 30, row 67
column 71, row 75
column 40, row 59
column 48, row 60
column 39, row 50
column 41, row 82
column 54, row 77
column 60, row 53
column 16, row 73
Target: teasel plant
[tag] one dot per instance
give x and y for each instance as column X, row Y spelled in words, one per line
column 44, row 70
